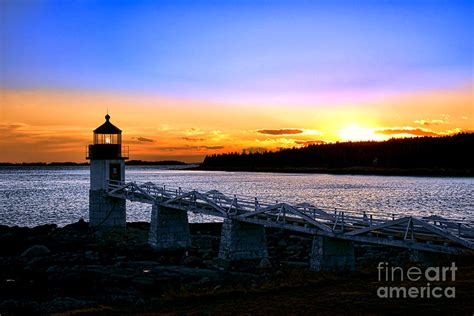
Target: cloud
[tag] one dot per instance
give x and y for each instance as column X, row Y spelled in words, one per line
column 193, row 131
column 282, row 131
column 252, row 150
column 310, row 142
column 212, row 147
column 143, row 139
column 430, row 122
column 407, row 131
column 177, row 148
column 194, row 139
column 11, row 127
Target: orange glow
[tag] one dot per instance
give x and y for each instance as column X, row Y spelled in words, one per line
column 49, row 125
column 354, row 132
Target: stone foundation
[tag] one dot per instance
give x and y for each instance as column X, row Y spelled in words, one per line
column 242, row 241
column 169, row 229
column 332, row 254
column 106, row 212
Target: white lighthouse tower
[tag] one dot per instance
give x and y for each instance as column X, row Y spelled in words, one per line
column 107, row 162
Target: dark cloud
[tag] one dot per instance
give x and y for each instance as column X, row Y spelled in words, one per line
column 213, row 147
column 143, row 139
column 410, row 131
column 194, row 139
column 11, row 127
column 282, row 131
column 310, row 142
column 174, row 148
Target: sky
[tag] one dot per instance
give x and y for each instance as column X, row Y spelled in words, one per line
column 184, row 79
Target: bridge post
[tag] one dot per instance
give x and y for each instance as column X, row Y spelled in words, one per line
column 332, row 254
column 169, row 228
column 242, row 241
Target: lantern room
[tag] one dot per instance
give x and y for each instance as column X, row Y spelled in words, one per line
column 107, row 142
column 107, row 133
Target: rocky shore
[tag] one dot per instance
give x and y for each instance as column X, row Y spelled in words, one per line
column 74, row 270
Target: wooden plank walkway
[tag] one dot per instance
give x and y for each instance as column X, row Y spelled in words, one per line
column 434, row 233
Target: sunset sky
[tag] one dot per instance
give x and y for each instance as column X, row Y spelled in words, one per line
column 183, row 79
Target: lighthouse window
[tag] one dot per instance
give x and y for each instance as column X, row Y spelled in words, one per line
column 107, row 138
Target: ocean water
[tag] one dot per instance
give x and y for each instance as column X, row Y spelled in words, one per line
column 31, row 196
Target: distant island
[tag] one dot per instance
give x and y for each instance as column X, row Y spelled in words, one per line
column 424, row 156
column 130, row 163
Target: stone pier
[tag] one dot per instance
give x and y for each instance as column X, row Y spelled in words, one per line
column 332, row 254
column 242, row 241
column 106, row 212
column 169, row 229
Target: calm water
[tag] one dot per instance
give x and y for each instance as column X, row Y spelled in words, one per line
column 31, row 196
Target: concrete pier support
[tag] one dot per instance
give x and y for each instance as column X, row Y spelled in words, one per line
column 242, row 241
column 106, row 212
column 169, row 229
column 332, row 254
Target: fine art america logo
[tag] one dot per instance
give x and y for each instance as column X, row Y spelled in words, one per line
column 393, row 274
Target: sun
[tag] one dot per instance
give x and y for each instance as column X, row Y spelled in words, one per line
column 354, row 132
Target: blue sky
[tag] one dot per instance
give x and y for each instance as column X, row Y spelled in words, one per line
column 234, row 51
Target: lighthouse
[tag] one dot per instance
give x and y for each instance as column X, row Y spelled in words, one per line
column 107, row 163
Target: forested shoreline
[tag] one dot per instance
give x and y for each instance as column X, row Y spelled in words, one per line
column 438, row 156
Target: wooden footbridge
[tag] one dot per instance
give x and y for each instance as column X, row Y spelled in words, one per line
column 432, row 234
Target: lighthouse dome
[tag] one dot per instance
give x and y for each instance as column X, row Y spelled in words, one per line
column 107, row 127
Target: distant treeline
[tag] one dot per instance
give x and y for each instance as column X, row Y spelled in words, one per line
column 39, row 164
column 447, row 155
column 131, row 163
column 154, row 163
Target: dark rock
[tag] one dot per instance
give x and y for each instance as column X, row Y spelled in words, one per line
column 63, row 304
column 34, row 251
column 6, row 236
column 53, row 269
column 19, row 307
column 43, row 229
column 265, row 264
column 204, row 281
column 221, row 263
column 80, row 225
column 192, row 261
column 91, row 255
column 142, row 282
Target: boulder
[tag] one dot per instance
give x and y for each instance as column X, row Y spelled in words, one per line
column 192, row 261
column 265, row 264
column 35, row 251
column 60, row 304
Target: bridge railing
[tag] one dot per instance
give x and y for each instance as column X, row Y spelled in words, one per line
column 338, row 218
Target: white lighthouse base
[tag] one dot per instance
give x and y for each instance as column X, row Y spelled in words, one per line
column 106, row 212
